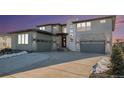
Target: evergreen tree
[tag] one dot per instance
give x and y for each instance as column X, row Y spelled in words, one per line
column 117, row 59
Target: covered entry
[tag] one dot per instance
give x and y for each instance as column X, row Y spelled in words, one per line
column 92, row 47
column 63, row 39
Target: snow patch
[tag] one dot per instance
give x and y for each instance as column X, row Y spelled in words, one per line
column 101, row 66
column 14, row 54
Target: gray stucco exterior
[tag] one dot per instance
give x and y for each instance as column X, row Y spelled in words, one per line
column 98, row 32
column 44, row 42
column 36, row 42
column 28, row 47
column 53, row 36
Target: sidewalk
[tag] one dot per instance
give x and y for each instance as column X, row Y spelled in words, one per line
column 74, row 69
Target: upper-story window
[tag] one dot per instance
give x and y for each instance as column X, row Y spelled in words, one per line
column 103, row 21
column 23, row 39
column 54, row 27
column 85, row 26
column 42, row 28
column 78, row 25
column 64, row 30
column 71, row 30
column 88, row 24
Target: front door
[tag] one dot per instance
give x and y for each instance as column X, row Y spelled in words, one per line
column 63, row 41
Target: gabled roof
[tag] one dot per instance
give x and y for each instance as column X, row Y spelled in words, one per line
column 107, row 17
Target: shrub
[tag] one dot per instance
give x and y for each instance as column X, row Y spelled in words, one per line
column 5, row 51
column 117, row 59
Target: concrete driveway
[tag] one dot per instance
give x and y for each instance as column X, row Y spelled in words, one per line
column 14, row 64
column 45, row 60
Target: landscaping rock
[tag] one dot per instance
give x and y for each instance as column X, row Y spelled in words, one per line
column 102, row 65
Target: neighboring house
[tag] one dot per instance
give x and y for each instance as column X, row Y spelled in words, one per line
column 5, row 41
column 89, row 36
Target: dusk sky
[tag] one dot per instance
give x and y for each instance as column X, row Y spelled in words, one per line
column 10, row 23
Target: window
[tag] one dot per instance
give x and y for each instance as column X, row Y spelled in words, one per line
column 23, row 39
column 102, row 21
column 54, row 27
column 78, row 25
column 19, row 39
column 42, row 28
column 85, row 26
column 64, row 30
column 71, row 30
column 88, row 24
column 26, row 38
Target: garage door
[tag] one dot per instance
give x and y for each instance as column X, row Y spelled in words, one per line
column 93, row 47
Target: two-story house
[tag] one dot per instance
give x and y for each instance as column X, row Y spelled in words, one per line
column 91, row 36
column 88, row 36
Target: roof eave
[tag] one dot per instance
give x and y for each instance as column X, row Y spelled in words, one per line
column 31, row 30
column 48, row 24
